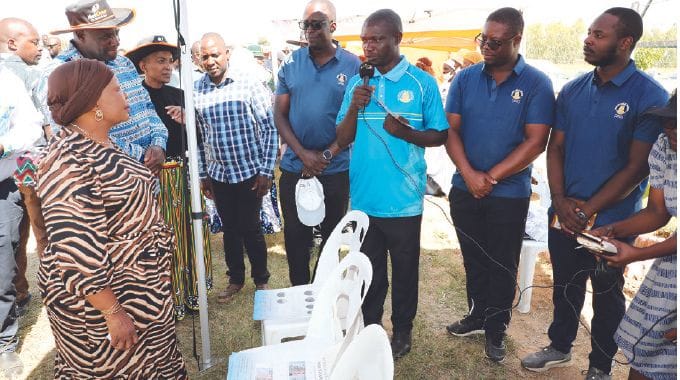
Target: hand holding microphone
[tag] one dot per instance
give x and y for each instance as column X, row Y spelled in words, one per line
column 362, row 94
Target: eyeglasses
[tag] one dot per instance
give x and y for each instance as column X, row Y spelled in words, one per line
column 315, row 25
column 492, row 44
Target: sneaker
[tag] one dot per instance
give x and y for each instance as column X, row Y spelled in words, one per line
column 22, row 306
column 261, row 287
column 597, row 374
column 401, row 344
column 467, row 326
column 545, row 359
column 494, row 348
column 229, row 292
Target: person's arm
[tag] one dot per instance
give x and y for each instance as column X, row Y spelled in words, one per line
column 478, row 182
column 313, row 161
column 562, row 205
column 355, row 99
column 536, row 137
column 269, row 138
column 400, row 129
column 81, row 255
column 24, row 120
column 649, row 219
column 621, row 184
column 627, row 254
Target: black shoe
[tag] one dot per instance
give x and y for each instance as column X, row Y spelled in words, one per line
column 22, row 306
column 467, row 326
column 401, row 344
column 494, row 348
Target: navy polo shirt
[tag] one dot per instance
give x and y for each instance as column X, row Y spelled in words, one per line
column 315, row 96
column 599, row 124
column 493, row 118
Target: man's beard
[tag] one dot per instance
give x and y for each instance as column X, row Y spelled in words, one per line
column 608, row 59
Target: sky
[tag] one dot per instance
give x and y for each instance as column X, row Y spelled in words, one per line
column 251, row 20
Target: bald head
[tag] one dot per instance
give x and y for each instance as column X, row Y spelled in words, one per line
column 19, row 37
column 322, row 6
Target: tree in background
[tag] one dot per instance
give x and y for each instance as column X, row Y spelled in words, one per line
column 659, row 57
column 556, row 42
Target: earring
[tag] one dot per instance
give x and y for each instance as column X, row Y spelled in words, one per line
column 98, row 114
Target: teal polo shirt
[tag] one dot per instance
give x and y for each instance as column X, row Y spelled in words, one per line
column 315, row 96
column 377, row 186
column 600, row 121
column 493, row 119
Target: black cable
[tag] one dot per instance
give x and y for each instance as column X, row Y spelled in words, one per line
column 514, row 275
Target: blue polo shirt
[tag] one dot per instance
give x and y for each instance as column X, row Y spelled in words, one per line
column 315, row 97
column 493, row 118
column 377, row 186
column 599, row 124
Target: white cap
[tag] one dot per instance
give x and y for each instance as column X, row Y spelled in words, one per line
column 309, row 200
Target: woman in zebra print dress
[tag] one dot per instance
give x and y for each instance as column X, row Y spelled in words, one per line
column 105, row 276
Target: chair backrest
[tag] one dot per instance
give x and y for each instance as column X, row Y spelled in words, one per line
column 346, row 287
column 350, row 231
column 367, row 357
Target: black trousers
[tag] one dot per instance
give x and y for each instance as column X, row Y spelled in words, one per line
column 239, row 209
column 401, row 238
column 571, row 268
column 298, row 237
column 497, row 225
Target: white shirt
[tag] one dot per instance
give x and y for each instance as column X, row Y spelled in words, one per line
column 20, row 122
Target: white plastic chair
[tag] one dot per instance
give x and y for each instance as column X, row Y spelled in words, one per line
column 527, row 267
column 285, row 312
column 325, row 338
column 367, row 357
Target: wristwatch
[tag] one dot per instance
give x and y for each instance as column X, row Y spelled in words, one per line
column 327, row 155
column 582, row 215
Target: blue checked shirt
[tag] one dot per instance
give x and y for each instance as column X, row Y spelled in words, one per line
column 143, row 129
column 239, row 136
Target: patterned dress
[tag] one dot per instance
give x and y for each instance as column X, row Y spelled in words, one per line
column 105, row 229
column 654, row 356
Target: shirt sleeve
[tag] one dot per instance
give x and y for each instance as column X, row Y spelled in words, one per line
column 159, row 132
column 657, row 163
column 25, row 122
column 282, row 85
column 433, row 112
column 75, row 218
column 201, row 129
column 454, row 97
column 561, row 118
column 648, row 128
column 541, row 108
column 261, row 103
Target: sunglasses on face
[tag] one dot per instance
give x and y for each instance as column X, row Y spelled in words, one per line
column 492, row 44
column 314, row 25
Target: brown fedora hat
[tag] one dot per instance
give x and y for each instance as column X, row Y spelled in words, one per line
column 149, row 45
column 95, row 14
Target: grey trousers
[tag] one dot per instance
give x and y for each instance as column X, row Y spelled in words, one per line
column 11, row 212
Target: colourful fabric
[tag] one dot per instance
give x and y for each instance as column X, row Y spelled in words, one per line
column 494, row 117
column 142, row 129
column 600, row 121
column 239, row 137
column 377, row 186
column 663, row 168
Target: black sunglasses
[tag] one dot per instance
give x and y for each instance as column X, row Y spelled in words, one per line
column 315, row 25
column 492, row 44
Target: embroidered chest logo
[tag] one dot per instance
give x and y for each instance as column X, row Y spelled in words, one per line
column 516, row 95
column 621, row 109
column 342, row 79
column 405, row 96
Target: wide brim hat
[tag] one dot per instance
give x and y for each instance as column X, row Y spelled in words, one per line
column 150, row 45
column 95, row 14
column 669, row 111
column 309, row 201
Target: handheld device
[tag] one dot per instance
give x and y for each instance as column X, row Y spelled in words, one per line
column 596, row 244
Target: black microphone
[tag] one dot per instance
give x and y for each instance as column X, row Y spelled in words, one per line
column 366, row 72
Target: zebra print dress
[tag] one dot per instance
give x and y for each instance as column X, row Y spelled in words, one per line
column 105, row 229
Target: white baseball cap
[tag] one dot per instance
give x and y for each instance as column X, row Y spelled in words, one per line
column 309, row 200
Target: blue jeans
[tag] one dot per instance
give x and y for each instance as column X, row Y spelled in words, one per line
column 11, row 212
column 572, row 267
